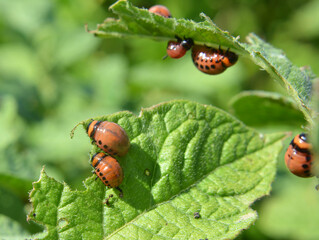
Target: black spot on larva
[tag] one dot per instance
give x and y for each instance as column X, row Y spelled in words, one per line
column 207, row 67
column 305, row 166
column 217, row 61
column 196, row 63
column 197, row 58
column 103, row 178
column 100, row 142
column 201, row 66
column 101, row 174
column 307, row 171
column 106, row 182
column 211, row 60
column 98, row 170
column 105, row 146
column 308, row 158
column 206, row 60
column 212, row 66
column 202, row 60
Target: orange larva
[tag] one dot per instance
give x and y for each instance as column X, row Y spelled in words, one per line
column 298, row 157
column 107, row 169
column 160, row 10
column 211, row 60
column 109, row 136
column 177, row 49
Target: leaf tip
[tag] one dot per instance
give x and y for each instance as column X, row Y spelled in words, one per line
column 119, row 2
column 43, row 173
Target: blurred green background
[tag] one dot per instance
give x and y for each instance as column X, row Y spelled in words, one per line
column 53, row 74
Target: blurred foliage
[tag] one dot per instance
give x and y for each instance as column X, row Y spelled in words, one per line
column 53, row 74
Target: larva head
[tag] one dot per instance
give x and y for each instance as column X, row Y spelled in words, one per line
column 97, row 158
column 91, row 128
column 230, row 58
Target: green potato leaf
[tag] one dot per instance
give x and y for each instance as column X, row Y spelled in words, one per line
column 137, row 22
column 314, row 135
column 298, row 81
column 185, row 158
column 260, row 108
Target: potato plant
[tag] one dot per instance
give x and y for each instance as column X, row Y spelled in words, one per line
column 193, row 170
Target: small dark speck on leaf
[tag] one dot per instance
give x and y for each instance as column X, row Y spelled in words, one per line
column 196, row 215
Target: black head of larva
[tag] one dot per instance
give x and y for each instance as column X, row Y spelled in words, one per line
column 93, row 157
column 187, row 43
column 232, row 57
column 303, row 136
column 88, row 126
